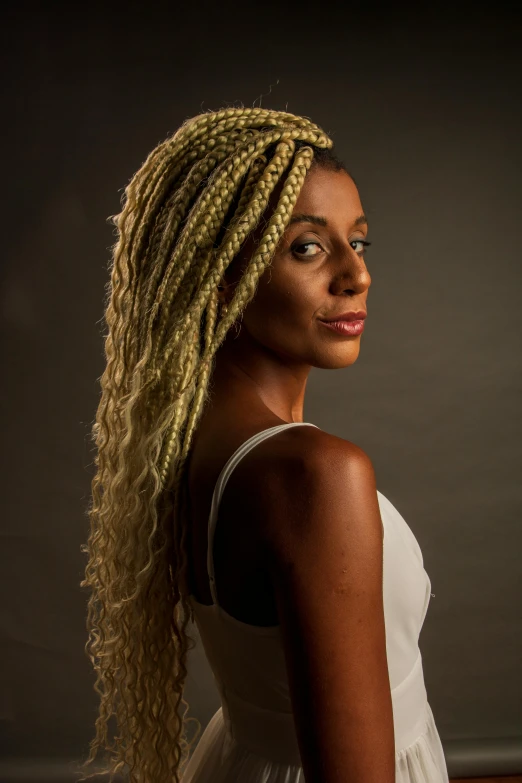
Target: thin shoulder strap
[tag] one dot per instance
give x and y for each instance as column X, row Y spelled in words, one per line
column 221, row 483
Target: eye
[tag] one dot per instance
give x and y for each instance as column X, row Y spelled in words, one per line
column 362, row 242
column 297, row 249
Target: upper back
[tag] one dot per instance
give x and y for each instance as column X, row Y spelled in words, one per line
column 239, row 560
column 310, row 502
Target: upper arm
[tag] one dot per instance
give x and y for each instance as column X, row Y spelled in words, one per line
column 324, row 540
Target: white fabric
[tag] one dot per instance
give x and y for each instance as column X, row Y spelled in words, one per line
column 251, row 738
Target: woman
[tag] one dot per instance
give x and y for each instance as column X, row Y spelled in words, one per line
column 239, row 266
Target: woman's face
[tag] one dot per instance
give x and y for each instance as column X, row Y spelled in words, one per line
column 317, row 272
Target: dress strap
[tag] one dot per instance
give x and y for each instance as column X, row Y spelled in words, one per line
column 221, row 483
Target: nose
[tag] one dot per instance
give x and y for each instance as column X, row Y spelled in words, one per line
column 353, row 276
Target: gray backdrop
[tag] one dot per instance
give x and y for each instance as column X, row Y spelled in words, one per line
column 425, row 110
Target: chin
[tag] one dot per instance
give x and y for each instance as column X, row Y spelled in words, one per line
column 337, row 360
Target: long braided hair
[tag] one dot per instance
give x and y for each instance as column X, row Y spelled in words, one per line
column 186, row 214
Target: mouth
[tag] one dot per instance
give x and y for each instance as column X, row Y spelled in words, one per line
column 358, row 315
column 347, row 328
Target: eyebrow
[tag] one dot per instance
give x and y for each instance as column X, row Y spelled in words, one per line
column 321, row 221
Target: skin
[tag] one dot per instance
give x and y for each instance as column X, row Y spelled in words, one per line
column 283, row 534
column 266, row 365
column 261, row 369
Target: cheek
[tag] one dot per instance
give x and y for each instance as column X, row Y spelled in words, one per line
column 284, row 299
column 281, row 315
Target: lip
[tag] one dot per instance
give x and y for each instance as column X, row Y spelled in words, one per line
column 345, row 328
column 352, row 316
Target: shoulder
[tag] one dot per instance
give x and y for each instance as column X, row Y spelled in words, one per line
column 308, row 447
column 316, row 503
column 303, row 477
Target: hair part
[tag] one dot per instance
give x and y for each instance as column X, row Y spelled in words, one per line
column 186, row 213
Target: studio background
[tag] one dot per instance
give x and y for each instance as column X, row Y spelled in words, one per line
column 424, row 109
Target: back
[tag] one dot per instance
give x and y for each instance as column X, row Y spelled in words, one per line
column 319, row 513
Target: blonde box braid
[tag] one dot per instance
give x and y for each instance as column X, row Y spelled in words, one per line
column 188, row 211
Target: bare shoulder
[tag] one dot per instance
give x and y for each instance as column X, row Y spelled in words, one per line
column 316, row 501
column 303, row 473
column 306, row 446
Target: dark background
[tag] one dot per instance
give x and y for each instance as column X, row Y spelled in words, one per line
column 424, row 108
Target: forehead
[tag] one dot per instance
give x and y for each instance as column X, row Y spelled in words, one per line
column 328, row 193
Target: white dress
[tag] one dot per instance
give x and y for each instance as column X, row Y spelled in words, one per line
column 251, row 738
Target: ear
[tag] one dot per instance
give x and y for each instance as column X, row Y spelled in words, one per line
column 230, row 279
column 225, row 292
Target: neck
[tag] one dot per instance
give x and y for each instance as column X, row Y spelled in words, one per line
column 248, row 374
